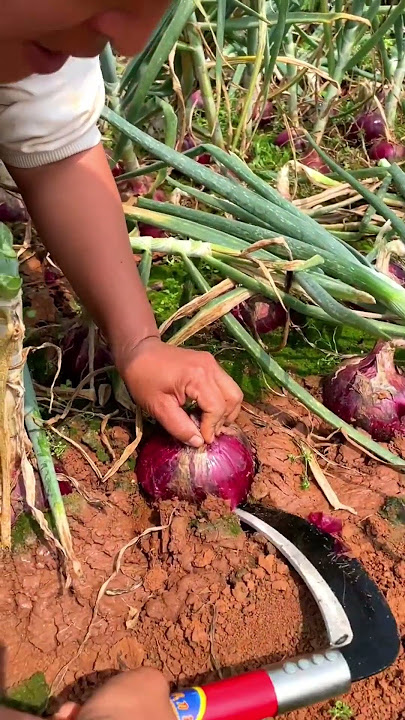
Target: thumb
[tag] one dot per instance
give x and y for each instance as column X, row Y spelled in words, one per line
column 68, row 711
column 177, row 423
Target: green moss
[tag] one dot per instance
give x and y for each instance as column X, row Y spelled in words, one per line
column 92, row 440
column 24, row 532
column 394, row 510
column 229, row 525
column 102, row 455
column 166, row 288
column 31, row 696
column 74, row 503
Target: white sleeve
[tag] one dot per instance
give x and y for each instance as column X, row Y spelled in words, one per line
column 46, row 118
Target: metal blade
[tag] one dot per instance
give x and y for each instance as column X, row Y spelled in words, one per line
column 335, row 619
column 376, row 642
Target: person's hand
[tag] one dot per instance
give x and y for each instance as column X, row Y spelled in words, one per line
column 139, row 695
column 162, row 377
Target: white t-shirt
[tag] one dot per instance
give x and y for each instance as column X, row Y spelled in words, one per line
column 46, row 118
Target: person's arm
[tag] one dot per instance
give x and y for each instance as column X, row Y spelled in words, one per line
column 50, row 143
column 77, row 210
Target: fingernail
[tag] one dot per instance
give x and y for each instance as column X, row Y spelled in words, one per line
column 196, row 441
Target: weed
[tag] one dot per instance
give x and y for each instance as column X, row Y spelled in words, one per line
column 305, row 484
column 58, row 445
column 341, row 710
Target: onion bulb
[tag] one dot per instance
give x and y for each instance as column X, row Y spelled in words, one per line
column 397, row 271
column 168, row 469
column 75, row 353
column 314, row 161
column 369, row 392
column 260, row 314
column 197, row 99
column 189, row 143
column 385, row 150
column 266, row 116
column 369, row 124
column 298, row 140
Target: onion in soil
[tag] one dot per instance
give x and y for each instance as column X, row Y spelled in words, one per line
column 370, row 392
column 75, row 354
column 267, row 116
column 260, row 314
column 189, row 143
column 315, row 162
column 168, row 469
column 369, row 124
column 385, row 150
column 283, row 139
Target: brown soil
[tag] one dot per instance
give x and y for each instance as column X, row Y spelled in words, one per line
column 199, row 599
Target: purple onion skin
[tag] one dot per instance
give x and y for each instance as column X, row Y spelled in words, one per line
column 315, row 162
column 260, row 314
column 267, row 116
column 150, row 231
column 283, row 139
column 197, row 99
column 75, row 354
column 167, row 469
column 369, row 392
column 12, row 209
column 370, row 124
column 397, row 272
column 188, row 144
column 384, row 150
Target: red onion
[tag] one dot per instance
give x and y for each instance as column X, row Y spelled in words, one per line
column 189, row 143
column 268, row 113
column 369, row 392
column 150, row 231
column 260, row 314
column 168, row 469
column 283, row 139
column 75, row 354
column 397, row 272
column 12, row 209
column 326, row 523
column 314, row 161
column 331, row 526
column 197, row 99
column 384, row 150
column 371, row 124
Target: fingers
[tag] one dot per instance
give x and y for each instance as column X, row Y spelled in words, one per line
column 217, row 395
column 68, row 711
column 177, row 423
column 232, row 394
column 142, row 694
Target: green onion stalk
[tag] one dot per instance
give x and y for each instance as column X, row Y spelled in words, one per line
column 278, row 375
column 42, row 450
column 19, row 410
column 12, row 436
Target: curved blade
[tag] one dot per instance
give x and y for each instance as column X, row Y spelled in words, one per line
column 376, row 642
column 335, row 619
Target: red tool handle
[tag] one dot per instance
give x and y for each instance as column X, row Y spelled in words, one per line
column 267, row 693
column 246, row 696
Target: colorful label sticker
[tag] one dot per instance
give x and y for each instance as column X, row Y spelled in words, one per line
column 190, row 704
